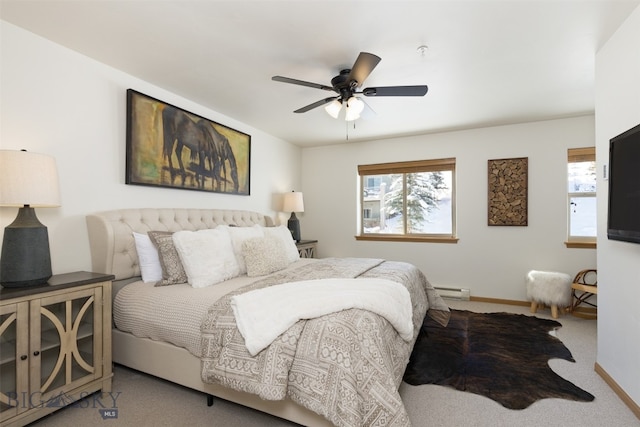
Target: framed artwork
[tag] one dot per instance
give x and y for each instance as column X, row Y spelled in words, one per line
column 508, row 181
column 170, row 147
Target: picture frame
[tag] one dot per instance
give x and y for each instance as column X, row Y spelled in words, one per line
column 170, row 147
column 508, row 192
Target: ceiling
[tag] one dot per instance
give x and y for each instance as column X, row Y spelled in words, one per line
column 487, row 62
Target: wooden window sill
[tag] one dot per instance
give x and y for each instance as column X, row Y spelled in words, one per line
column 399, row 238
column 581, row 245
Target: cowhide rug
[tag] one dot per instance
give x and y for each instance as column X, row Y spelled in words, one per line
column 498, row 355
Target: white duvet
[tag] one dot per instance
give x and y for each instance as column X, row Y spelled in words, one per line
column 264, row 314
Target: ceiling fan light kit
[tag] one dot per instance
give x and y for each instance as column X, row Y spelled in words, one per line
column 346, row 86
column 353, row 108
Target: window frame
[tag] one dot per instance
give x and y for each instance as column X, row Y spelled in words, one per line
column 577, row 155
column 414, row 166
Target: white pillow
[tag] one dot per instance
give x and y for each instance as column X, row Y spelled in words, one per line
column 283, row 234
column 238, row 236
column 206, row 255
column 148, row 259
column 264, row 255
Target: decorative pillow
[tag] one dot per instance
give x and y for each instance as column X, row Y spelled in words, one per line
column 238, row 236
column 264, row 255
column 172, row 271
column 283, row 234
column 207, row 256
column 148, row 259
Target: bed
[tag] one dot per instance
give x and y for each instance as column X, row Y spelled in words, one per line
column 340, row 368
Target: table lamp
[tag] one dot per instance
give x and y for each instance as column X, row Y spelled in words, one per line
column 27, row 180
column 293, row 203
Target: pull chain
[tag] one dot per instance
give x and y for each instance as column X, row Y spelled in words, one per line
column 347, row 128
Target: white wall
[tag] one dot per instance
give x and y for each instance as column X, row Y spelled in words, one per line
column 56, row 101
column 491, row 261
column 618, row 109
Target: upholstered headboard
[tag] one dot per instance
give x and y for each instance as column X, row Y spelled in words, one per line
column 113, row 250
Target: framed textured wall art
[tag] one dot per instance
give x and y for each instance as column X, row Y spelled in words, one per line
column 170, row 147
column 508, row 201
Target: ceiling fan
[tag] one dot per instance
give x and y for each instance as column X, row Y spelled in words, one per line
column 346, row 85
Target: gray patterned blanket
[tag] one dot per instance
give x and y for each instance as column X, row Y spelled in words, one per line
column 346, row 366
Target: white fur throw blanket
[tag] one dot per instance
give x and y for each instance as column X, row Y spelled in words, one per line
column 264, row 314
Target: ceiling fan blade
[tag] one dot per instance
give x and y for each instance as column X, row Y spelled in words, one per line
column 301, row 83
column 316, row 104
column 396, row 91
column 364, row 65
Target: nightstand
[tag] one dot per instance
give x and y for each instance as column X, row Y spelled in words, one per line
column 56, row 345
column 307, row 248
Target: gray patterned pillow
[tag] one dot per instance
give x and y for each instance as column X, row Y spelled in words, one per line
column 172, row 271
column 264, row 255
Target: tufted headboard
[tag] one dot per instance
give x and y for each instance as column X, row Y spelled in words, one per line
column 113, row 249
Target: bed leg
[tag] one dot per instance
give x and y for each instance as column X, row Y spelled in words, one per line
column 209, row 400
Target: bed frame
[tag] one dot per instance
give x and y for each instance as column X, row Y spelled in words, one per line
column 113, row 252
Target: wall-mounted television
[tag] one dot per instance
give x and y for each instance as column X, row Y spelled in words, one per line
column 623, row 221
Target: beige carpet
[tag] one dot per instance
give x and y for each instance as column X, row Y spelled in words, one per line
column 148, row 401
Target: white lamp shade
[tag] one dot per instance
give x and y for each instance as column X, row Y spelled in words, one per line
column 351, row 115
column 292, row 202
column 28, row 179
column 356, row 104
column 333, row 109
column 354, row 108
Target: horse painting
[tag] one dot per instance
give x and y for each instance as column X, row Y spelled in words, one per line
column 180, row 131
column 225, row 154
column 170, row 147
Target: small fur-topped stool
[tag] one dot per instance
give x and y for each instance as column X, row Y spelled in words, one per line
column 548, row 288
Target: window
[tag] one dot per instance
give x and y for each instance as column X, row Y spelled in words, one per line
column 581, row 197
column 408, row 201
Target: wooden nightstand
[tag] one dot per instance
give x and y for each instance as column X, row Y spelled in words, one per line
column 56, row 345
column 307, row 248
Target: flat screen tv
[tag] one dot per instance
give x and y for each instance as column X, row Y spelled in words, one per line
column 623, row 221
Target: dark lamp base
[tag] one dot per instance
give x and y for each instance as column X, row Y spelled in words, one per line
column 25, row 259
column 294, row 226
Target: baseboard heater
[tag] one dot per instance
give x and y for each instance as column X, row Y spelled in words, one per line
column 453, row 293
